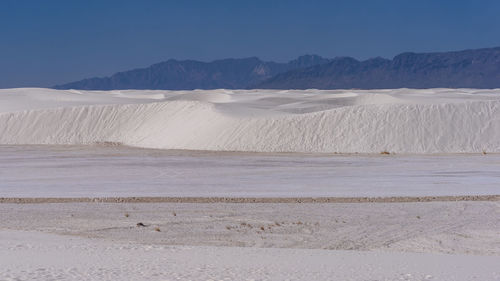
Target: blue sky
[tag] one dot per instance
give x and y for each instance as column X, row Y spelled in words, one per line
column 44, row 43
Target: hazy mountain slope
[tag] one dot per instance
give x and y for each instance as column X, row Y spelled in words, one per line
column 190, row 74
column 478, row 68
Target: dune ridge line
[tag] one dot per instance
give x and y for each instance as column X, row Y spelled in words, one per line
column 309, row 121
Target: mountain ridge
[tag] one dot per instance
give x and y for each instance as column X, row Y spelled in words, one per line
column 191, row 74
column 472, row 68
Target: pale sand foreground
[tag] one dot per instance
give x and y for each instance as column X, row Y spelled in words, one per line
column 387, row 241
column 38, row 256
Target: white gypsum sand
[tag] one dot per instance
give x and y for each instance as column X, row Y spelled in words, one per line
column 120, row 171
column 385, row 241
column 37, row 256
column 344, row 121
column 217, row 241
column 441, row 227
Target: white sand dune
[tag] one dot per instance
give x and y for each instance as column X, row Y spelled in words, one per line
column 346, row 121
column 386, row 241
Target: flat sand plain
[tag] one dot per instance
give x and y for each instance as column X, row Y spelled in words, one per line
column 393, row 199
column 451, row 240
column 119, row 171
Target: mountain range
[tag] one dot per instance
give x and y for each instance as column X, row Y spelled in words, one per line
column 478, row 68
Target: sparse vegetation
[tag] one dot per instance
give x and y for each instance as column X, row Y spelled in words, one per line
column 246, row 224
column 127, row 215
column 157, row 229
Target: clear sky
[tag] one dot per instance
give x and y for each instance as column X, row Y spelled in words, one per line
column 44, row 43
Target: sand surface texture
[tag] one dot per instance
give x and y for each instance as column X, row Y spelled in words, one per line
column 344, row 121
column 427, row 208
column 361, row 241
column 37, row 256
column 117, row 171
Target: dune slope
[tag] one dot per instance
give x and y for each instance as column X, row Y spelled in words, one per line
column 401, row 121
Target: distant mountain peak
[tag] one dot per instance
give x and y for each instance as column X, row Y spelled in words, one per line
column 190, row 74
column 479, row 68
column 308, row 60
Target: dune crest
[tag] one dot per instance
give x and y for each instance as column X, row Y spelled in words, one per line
column 343, row 121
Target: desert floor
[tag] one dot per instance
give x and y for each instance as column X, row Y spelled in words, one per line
column 251, row 241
